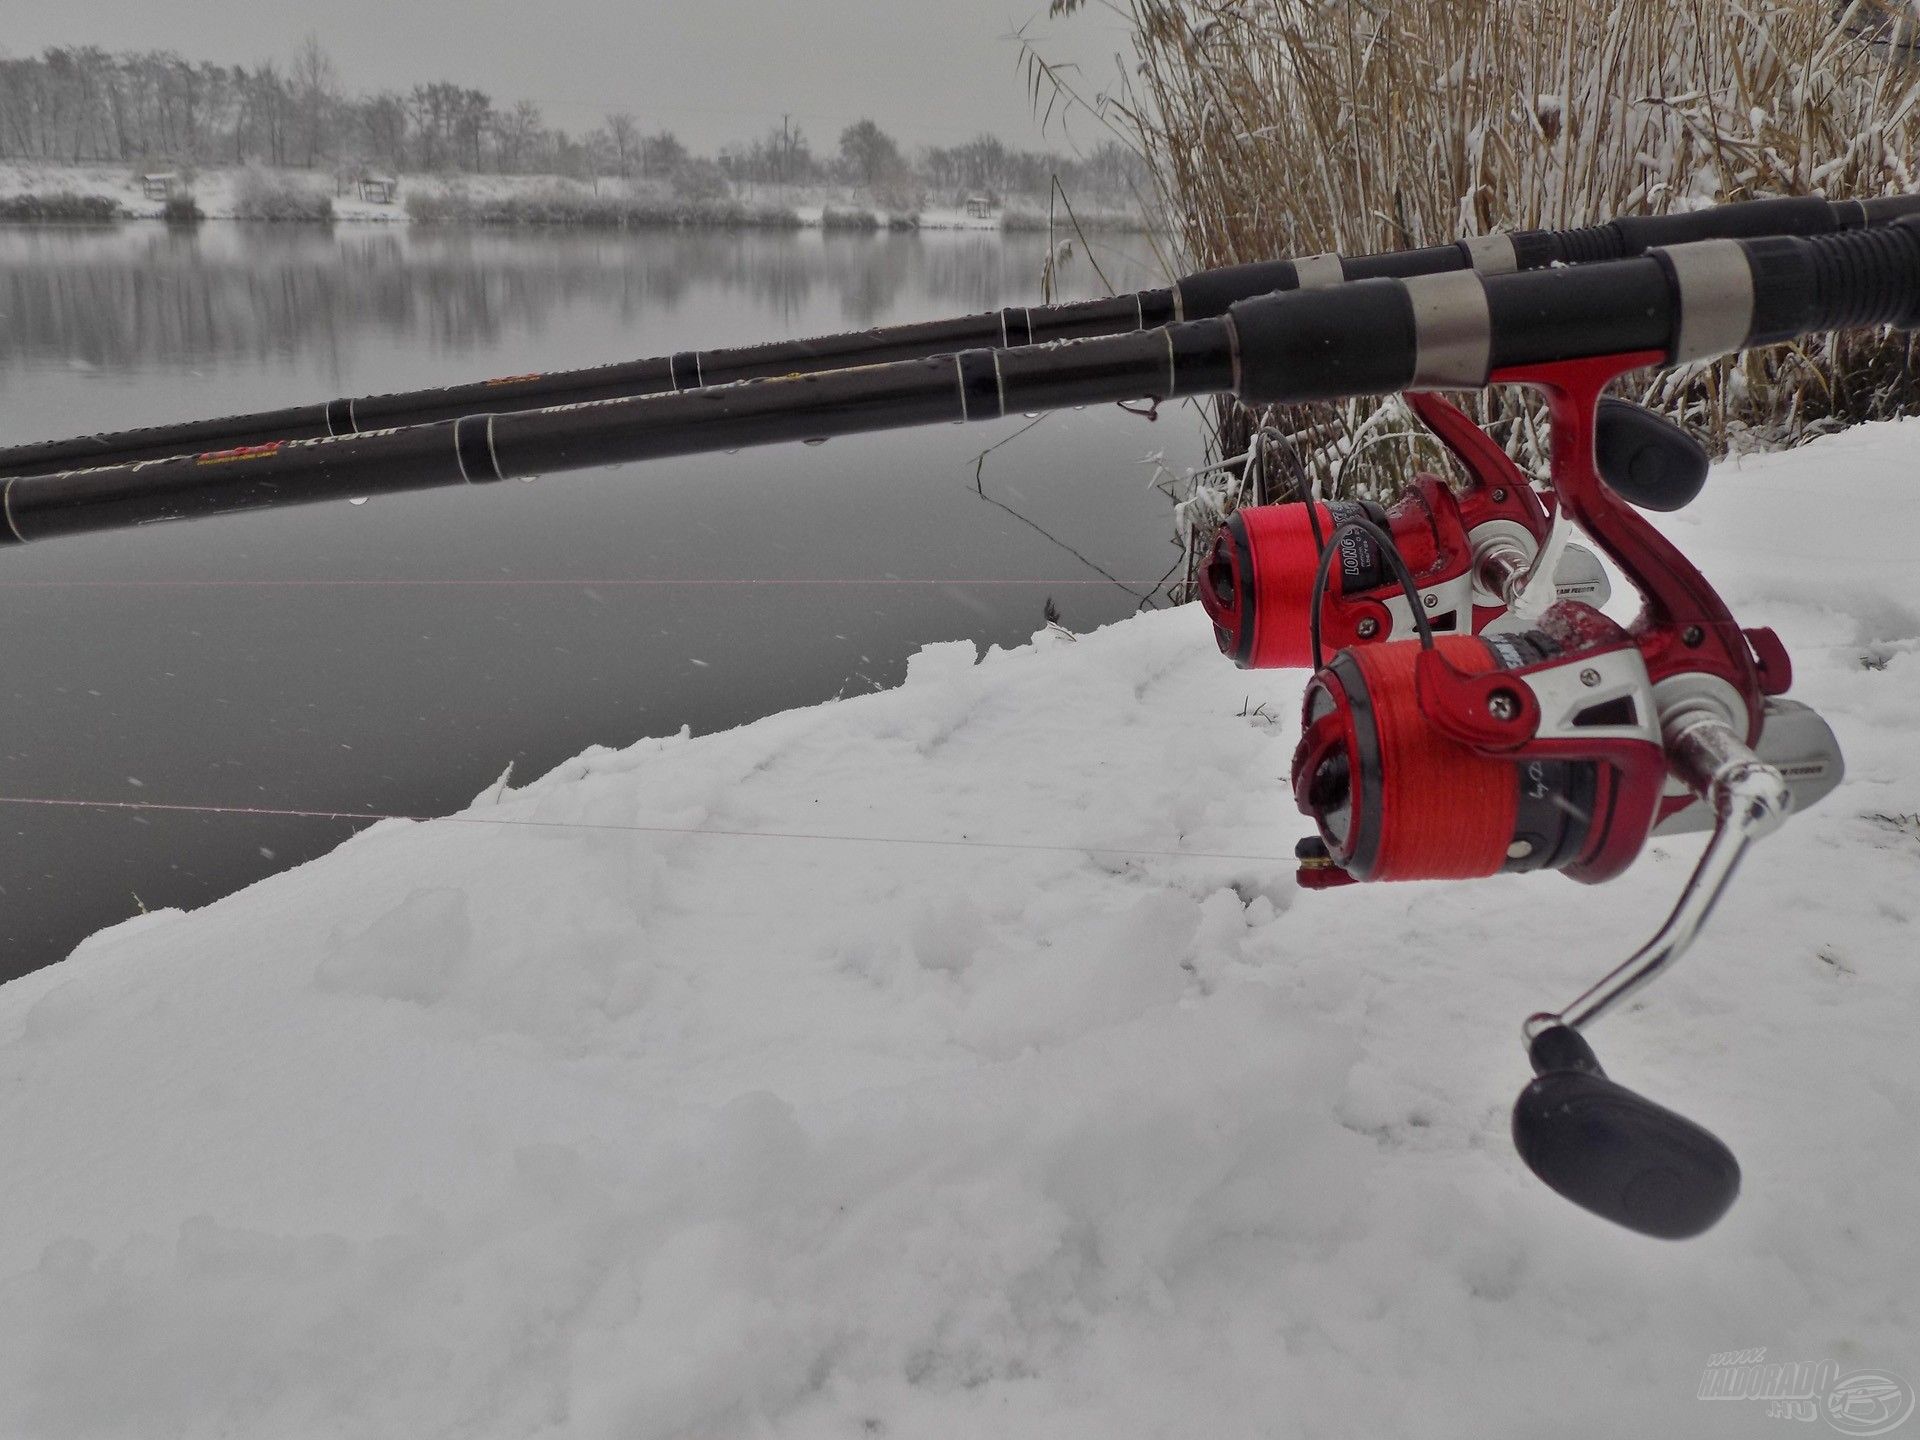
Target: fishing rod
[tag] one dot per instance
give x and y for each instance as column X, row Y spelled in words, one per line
column 1369, row 337
column 1203, row 295
column 1533, row 735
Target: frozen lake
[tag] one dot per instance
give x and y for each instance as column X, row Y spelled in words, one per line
column 395, row 657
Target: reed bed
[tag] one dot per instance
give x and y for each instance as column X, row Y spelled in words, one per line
column 858, row 221
column 569, row 208
column 1276, row 127
column 59, row 208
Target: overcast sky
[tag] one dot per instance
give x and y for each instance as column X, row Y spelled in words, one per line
column 713, row 70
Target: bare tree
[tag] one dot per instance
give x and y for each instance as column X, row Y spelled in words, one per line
column 624, row 131
column 272, row 110
column 662, row 154
column 383, row 123
column 316, row 91
column 433, row 109
column 601, row 156
column 869, row 154
column 472, row 113
column 516, row 132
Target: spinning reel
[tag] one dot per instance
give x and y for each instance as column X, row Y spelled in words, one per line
column 1558, row 744
column 1467, row 552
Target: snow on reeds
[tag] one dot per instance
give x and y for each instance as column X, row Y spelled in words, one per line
column 1277, row 127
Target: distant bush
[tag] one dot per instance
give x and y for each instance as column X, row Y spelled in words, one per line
column 701, row 182
column 438, row 207
column 182, row 209
column 565, row 207
column 1087, row 221
column 59, row 208
column 832, row 219
column 903, row 222
column 260, row 196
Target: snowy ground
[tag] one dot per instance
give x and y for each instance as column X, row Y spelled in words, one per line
column 215, row 189
column 645, row 1102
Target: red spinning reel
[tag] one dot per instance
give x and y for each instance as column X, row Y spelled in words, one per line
column 1561, row 746
column 1465, row 552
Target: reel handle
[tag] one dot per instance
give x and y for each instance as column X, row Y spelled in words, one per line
column 1615, row 1152
column 1592, row 1140
column 1750, row 800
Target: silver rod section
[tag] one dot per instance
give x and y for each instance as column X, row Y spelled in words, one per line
column 1750, row 800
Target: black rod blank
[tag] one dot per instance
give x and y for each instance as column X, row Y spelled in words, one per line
column 1204, row 295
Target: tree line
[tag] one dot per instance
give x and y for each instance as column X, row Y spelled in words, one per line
column 83, row 103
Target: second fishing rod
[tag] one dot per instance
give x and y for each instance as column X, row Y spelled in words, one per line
column 1206, row 294
column 1371, row 337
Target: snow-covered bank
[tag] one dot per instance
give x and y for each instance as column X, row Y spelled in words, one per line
column 644, row 1101
column 219, row 192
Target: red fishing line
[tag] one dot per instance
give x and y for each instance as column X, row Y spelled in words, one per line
column 1446, row 813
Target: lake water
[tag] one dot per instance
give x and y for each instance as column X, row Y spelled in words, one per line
column 396, row 656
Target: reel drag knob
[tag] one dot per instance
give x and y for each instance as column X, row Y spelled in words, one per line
column 1614, row 1152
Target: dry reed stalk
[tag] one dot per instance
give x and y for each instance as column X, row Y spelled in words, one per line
column 1277, row 127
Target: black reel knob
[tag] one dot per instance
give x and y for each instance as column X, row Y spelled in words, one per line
column 1616, row 1153
column 1646, row 460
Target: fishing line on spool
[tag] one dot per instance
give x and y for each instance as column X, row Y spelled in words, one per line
column 1451, row 805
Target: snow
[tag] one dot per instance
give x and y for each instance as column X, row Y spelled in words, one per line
column 961, row 1060
column 216, row 188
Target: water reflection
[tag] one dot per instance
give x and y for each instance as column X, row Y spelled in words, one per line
column 141, row 295
column 395, row 656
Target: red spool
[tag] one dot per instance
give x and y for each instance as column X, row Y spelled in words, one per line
column 1257, row 584
column 1405, row 802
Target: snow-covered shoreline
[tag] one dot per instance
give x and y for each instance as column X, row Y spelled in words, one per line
column 962, row 1060
column 216, row 191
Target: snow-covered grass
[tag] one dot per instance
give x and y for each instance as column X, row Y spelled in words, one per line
column 222, row 193
column 961, row 1061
